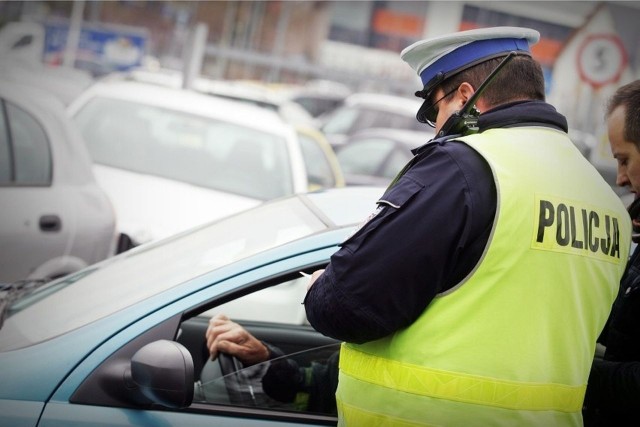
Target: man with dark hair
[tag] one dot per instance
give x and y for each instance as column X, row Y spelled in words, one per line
column 613, row 392
column 475, row 292
column 623, row 116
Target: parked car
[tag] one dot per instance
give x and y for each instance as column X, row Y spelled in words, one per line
column 171, row 159
column 375, row 156
column 367, row 110
column 55, row 218
column 122, row 341
column 323, row 169
column 319, row 97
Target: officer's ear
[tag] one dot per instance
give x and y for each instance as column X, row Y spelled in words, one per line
column 465, row 91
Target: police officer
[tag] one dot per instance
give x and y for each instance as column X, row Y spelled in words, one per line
column 475, row 292
column 614, row 384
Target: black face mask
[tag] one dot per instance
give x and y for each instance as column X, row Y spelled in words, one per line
column 634, row 212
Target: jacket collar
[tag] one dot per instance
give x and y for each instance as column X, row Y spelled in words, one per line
column 522, row 113
column 513, row 114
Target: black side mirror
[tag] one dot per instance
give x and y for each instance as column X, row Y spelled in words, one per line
column 163, row 372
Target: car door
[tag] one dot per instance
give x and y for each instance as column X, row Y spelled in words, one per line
column 37, row 215
column 90, row 395
column 55, row 218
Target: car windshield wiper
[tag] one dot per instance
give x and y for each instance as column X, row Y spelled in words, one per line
column 11, row 292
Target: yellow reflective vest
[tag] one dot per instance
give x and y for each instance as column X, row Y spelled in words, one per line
column 512, row 344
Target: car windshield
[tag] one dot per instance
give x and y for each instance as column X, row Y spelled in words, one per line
column 198, row 150
column 143, row 272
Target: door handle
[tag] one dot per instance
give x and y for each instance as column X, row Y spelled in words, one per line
column 50, row 223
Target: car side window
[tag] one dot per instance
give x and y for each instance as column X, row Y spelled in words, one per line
column 300, row 374
column 281, row 303
column 29, row 146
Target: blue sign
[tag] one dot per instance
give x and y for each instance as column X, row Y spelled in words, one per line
column 101, row 48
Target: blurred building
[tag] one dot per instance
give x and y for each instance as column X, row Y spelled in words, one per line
column 356, row 42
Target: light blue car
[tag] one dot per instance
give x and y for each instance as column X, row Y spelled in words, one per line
column 122, row 342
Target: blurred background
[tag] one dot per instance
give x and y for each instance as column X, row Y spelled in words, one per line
column 587, row 47
column 329, row 69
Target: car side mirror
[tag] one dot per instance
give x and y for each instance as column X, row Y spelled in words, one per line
column 162, row 371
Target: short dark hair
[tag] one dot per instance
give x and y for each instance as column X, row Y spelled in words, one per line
column 520, row 79
column 629, row 97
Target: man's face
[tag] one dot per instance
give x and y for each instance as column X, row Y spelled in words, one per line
column 625, row 152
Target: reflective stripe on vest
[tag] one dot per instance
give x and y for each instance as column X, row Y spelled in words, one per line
column 458, row 386
column 358, row 417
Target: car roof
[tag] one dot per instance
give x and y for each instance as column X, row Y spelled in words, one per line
column 397, row 104
column 255, row 93
column 240, row 89
column 187, row 101
column 243, row 90
column 413, row 138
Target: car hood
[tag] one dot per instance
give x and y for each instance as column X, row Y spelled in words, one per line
column 149, row 208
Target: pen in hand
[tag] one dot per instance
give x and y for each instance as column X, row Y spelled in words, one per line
column 312, row 277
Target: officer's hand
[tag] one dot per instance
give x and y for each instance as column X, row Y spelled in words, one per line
column 313, row 278
column 228, row 337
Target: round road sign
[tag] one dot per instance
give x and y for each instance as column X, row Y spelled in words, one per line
column 601, row 59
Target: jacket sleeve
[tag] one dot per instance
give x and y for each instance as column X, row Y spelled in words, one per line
column 613, row 386
column 312, row 388
column 426, row 234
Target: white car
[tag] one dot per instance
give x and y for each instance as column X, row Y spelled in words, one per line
column 55, row 218
column 171, row 159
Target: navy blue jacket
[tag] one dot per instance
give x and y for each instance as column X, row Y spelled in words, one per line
column 613, row 391
column 428, row 233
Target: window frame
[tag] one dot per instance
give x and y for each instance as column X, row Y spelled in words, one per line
column 91, row 391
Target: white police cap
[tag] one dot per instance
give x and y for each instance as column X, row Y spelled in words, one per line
column 439, row 58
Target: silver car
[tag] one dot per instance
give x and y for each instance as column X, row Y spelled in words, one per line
column 374, row 156
column 55, row 219
column 368, row 110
